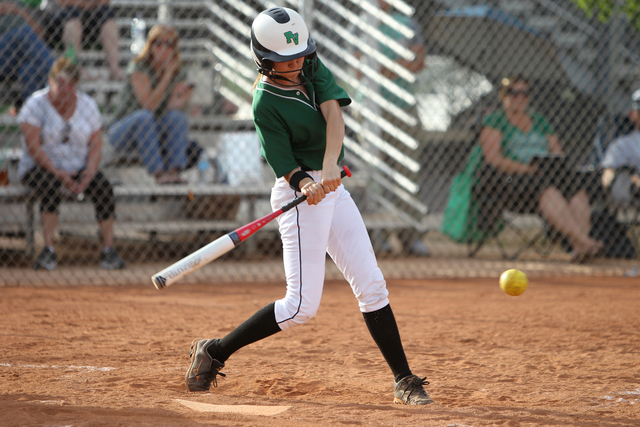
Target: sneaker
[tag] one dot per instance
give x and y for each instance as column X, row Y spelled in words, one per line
column 111, row 260
column 409, row 391
column 204, row 368
column 418, row 248
column 46, row 260
column 385, row 247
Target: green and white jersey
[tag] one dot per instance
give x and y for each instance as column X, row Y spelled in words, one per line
column 291, row 127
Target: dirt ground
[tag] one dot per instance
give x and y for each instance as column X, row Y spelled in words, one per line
column 566, row 352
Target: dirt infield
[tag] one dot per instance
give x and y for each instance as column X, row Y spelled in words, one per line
column 566, row 352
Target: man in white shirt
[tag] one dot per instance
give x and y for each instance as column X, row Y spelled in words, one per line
column 625, row 150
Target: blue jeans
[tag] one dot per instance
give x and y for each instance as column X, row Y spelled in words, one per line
column 161, row 142
column 24, row 55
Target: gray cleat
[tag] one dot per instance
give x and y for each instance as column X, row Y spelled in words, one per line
column 111, row 260
column 204, row 368
column 46, row 260
column 409, row 391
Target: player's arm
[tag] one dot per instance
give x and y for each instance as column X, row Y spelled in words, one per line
column 331, row 179
column 308, row 187
column 276, row 149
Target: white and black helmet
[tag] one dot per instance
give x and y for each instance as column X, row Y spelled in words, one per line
column 279, row 34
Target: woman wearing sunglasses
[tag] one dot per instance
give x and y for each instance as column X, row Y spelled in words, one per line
column 510, row 138
column 150, row 115
column 62, row 144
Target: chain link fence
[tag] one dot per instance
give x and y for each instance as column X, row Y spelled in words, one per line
column 477, row 128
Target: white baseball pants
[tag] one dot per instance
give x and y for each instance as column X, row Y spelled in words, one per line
column 333, row 226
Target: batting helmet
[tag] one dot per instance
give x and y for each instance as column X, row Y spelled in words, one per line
column 279, row 34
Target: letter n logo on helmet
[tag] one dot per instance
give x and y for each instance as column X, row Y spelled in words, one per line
column 291, row 37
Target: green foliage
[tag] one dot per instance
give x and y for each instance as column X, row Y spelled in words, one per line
column 604, row 9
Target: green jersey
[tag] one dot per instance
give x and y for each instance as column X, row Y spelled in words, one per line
column 517, row 145
column 291, row 127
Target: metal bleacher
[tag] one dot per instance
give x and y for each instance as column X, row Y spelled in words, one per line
column 214, row 43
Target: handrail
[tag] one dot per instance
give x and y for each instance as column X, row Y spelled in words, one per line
column 241, row 7
column 228, row 58
column 228, row 18
column 368, row 29
column 365, row 48
column 371, row 94
column 384, row 124
column 355, row 63
column 385, row 18
column 375, row 161
column 402, row 7
column 410, row 200
column 374, row 139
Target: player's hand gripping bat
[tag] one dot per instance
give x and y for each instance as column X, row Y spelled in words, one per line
column 221, row 246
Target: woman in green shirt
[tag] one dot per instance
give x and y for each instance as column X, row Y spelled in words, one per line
column 150, row 115
column 509, row 139
column 297, row 114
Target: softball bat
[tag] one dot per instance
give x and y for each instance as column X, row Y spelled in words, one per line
column 221, row 245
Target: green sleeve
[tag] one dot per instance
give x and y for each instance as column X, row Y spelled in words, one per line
column 275, row 145
column 494, row 120
column 326, row 88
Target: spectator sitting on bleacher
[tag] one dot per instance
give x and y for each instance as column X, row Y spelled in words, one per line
column 62, row 144
column 150, row 115
column 509, row 139
column 88, row 16
column 23, row 53
column 625, row 150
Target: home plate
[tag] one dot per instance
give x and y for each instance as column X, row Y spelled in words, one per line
column 233, row 409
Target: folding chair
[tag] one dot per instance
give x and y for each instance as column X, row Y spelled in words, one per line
column 495, row 215
column 622, row 201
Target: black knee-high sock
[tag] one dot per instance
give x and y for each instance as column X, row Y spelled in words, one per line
column 261, row 325
column 384, row 330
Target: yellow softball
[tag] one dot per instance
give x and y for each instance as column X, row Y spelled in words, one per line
column 514, row 282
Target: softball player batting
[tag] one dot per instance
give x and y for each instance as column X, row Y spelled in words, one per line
column 297, row 114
